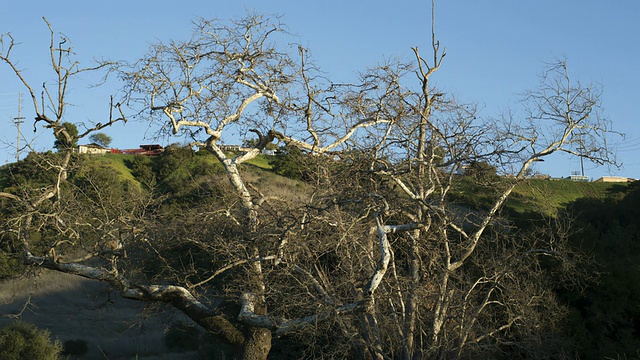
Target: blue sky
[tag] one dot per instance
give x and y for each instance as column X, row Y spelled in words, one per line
column 495, row 49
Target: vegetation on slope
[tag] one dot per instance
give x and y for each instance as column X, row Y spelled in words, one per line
column 605, row 212
column 605, row 317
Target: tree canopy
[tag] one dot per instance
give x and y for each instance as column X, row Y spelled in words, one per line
column 101, row 139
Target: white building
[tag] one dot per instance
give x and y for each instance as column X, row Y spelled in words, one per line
column 92, row 149
column 615, row 179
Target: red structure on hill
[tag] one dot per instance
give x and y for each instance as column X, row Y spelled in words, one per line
column 149, row 150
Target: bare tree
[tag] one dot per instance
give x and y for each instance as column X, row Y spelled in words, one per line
column 202, row 87
column 50, row 107
column 214, row 83
column 377, row 249
column 467, row 278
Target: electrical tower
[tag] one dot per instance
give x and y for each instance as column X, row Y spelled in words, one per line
column 18, row 120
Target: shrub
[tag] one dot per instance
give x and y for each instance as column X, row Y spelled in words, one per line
column 173, row 157
column 481, row 170
column 61, row 142
column 290, row 162
column 76, row 347
column 142, row 169
column 21, row 340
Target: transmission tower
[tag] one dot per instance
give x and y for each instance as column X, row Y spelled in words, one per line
column 18, row 120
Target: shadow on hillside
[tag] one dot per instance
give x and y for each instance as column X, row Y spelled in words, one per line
column 617, row 189
column 73, row 308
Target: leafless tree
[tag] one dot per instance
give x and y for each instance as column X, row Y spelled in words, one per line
column 204, row 86
column 377, row 250
column 43, row 204
column 467, row 279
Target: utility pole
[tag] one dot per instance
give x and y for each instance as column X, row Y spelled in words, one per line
column 19, row 120
column 582, row 152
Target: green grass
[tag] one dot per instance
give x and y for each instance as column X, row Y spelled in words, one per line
column 533, row 195
column 261, row 161
column 547, row 196
column 117, row 162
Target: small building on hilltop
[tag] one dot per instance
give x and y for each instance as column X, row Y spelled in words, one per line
column 615, row 179
column 240, row 148
column 94, row 149
column 580, row 178
column 149, row 150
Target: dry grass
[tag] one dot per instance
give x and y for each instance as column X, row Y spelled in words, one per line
column 270, row 184
column 75, row 308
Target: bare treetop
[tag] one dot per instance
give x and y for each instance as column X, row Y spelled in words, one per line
column 220, row 77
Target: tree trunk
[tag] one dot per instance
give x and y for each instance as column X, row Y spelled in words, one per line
column 412, row 300
column 441, row 311
column 257, row 344
column 372, row 349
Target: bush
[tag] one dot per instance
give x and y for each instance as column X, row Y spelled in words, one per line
column 142, row 169
column 481, row 170
column 289, row 162
column 76, row 347
column 173, row 157
column 21, row 340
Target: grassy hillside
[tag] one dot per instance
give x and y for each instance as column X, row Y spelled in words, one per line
column 117, row 163
column 534, row 195
column 547, row 196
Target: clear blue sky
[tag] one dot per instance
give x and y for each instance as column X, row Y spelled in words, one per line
column 495, row 49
